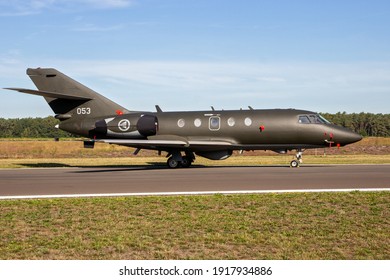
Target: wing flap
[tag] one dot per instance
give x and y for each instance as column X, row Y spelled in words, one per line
column 151, row 144
column 166, row 143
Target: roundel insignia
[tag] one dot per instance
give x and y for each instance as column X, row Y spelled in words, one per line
column 124, row 125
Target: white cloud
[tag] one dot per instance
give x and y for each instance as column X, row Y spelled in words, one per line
column 193, row 85
column 30, row 7
column 11, row 57
column 185, row 85
column 107, row 3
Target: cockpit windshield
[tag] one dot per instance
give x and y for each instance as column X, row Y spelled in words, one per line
column 323, row 119
column 315, row 118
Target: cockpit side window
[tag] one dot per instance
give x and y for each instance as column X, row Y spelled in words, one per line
column 304, row 119
column 313, row 119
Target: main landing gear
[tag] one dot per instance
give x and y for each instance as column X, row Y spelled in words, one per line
column 298, row 159
column 176, row 160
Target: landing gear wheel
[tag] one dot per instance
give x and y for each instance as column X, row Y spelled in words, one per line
column 294, row 163
column 186, row 162
column 172, row 163
column 298, row 159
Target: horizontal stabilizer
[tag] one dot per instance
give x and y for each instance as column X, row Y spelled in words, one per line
column 50, row 94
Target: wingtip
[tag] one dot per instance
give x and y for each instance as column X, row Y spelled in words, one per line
column 14, row 89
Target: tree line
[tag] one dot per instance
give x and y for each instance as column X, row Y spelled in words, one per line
column 31, row 128
column 366, row 124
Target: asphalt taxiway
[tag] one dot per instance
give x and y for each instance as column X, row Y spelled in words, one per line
column 36, row 182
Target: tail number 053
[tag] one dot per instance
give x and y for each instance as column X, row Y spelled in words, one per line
column 83, row 111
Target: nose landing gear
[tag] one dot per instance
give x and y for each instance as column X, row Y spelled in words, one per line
column 298, row 159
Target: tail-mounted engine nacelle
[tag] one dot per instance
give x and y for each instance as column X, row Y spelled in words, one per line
column 147, row 125
column 127, row 126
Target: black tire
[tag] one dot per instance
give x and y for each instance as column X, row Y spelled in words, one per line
column 294, row 163
column 172, row 163
column 186, row 162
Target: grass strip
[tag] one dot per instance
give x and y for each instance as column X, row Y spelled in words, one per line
column 352, row 225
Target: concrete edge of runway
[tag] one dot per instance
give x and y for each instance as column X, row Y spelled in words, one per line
column 188, row 193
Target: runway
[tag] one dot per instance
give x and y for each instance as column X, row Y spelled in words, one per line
column 59, row 182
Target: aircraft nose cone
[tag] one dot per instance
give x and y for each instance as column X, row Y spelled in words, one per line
column 355, row 137
column 346, row 136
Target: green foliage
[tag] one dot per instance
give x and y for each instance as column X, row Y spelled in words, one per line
column 366, row 124
column 31, row 128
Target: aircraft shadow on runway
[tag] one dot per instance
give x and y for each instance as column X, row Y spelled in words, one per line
column 101, row 168
column 149, row 166
column 45, row 165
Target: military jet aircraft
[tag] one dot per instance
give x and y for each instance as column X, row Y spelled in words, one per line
column 211, row 134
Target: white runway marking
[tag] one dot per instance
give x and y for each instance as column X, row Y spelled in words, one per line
column 189, row 193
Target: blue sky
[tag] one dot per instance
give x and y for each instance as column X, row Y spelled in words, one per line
column 325, row 56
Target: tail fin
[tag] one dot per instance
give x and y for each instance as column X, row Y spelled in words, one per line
column 68, row 97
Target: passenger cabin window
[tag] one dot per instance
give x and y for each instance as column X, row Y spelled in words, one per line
column 214, row 123
column 303, row 119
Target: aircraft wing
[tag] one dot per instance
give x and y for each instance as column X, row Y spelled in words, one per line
column 162, row 144
column 200, row 144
